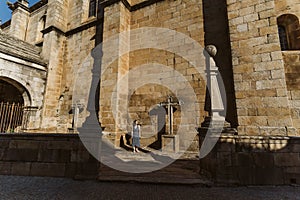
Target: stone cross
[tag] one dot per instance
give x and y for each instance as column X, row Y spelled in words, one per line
column 76, row 109
column 170, row 105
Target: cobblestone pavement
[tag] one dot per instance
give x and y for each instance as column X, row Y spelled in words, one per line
column 14, row 187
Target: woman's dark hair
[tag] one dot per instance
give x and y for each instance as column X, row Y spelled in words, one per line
column 136, row 121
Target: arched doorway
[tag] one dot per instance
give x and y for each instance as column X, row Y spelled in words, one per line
column 9, row 93
column 13, row 98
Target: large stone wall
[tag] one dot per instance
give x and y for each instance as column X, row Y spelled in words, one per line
column 253, row 160
column 250, row 58
column 46, row 155
column 260, row 84
column 66, row 53
column 292, row 73
column 181, row 16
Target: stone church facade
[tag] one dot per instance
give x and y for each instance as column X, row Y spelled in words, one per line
column 258, row 44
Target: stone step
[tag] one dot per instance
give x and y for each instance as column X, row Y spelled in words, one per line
column 185, row 170
column 158, row 180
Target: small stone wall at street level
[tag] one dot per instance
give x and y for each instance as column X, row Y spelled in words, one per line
column 55, row 155
column 253, row 160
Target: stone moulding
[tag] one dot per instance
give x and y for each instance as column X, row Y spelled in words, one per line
column 78, row 29
column 20, row 49
column 131, row 8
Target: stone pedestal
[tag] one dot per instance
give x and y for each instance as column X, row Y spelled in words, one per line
column 170, row 143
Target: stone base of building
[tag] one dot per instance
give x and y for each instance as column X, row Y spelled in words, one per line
column 239, row 160
column 253, row 160
column 53, row 155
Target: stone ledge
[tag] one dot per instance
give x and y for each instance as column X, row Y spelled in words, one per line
column 157, row 180
column 20, row 49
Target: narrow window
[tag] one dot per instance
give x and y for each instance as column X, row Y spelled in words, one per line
column 283, row 38
column 41, row 26
column 288, row 31
column 93, row 8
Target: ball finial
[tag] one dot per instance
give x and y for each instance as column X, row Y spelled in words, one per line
column 211, row 50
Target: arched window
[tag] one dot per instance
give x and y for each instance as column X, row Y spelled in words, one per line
column 289, row 32
column 41, row 26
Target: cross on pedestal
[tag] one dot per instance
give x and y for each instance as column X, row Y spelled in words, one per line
column 76, row 110
column 170, row 105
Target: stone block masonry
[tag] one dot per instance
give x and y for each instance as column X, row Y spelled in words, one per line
column 22, row 65
column 253, row 160
column 292, row 74
column 258, row 68
column 257, row 74
column 182, row 16
column 46, row 155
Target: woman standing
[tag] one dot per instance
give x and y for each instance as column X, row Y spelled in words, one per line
column 136, row 134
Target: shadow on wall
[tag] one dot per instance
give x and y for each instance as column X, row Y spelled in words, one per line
column 254, row 160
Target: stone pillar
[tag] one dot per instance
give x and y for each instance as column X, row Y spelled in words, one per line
column 121, row 101
column 19, row 19
column 260, row 84
column 214, row 125
column 53, row 50
column 114, row 83
column 57, row 14
column 216, row 100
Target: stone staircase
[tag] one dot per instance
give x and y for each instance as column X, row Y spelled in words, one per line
column 180, row 168
column 184, row 170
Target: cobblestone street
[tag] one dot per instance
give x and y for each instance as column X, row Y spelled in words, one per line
column 14, row 187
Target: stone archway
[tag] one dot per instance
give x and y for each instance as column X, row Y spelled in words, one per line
column 13, row 98
column 12, row 91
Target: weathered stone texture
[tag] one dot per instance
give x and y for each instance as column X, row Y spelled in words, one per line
column 217, row 33
column 19, row 23
column 46, row 155
column 257, row 78
column 36, row 25
column 256, row 50
column 21, row 65
column 174, row 16
column 292, row 73
column 58, row 14
column 248, row 160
